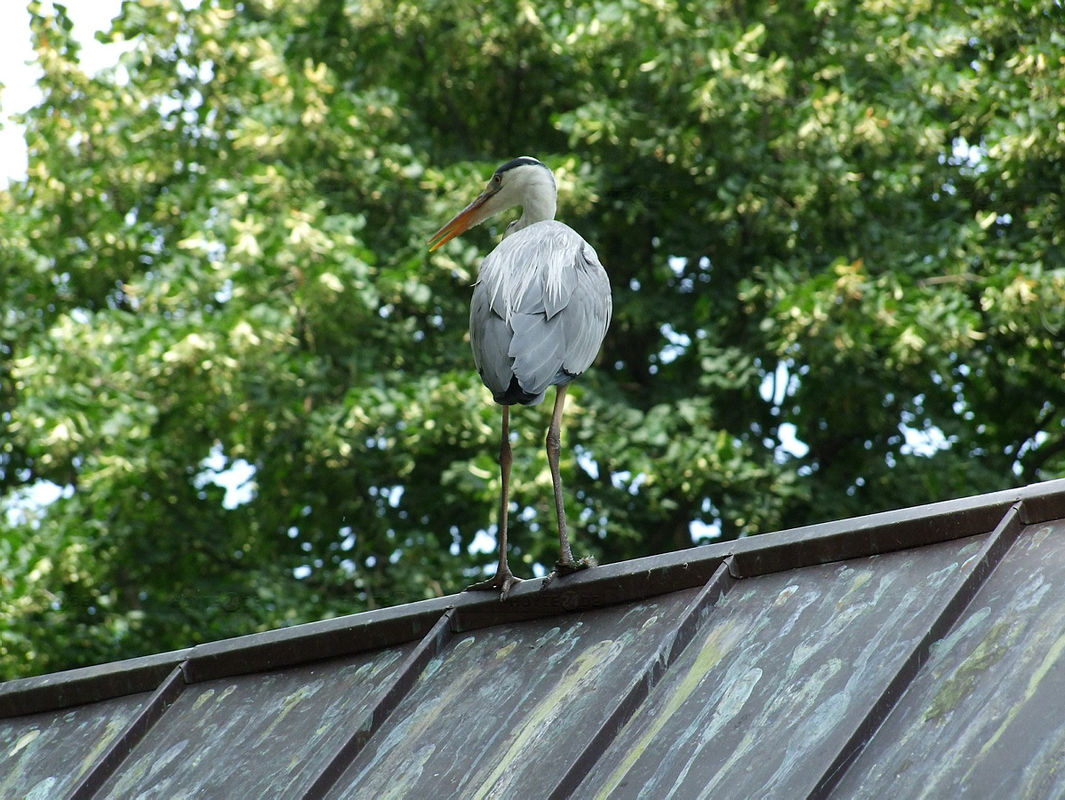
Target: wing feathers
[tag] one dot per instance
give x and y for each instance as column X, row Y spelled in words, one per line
column 537, row 351
column 540, row 310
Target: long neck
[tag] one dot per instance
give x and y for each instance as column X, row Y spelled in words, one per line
column 538, row 202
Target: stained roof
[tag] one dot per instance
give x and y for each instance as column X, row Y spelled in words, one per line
column 912, row 653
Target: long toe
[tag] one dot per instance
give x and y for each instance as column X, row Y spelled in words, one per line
column 568, row 568
column 503, row 581
column 562, row 569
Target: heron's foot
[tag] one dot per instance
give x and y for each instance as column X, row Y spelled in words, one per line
column 503, row 580
column 564, row 568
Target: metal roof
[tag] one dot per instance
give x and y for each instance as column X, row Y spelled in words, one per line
column 911, row 653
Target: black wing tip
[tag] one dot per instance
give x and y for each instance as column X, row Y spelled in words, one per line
column 514, row 394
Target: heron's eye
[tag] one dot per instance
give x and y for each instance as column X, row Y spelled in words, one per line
column 497, row 179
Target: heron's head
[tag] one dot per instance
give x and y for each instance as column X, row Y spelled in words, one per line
column 522, row 182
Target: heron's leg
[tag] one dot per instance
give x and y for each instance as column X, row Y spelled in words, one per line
column 554, row 449
column 504, row 579
column 566, row 564
column 506, row 458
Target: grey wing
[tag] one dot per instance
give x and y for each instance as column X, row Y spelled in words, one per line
column 538, row 317
column 490, row 339
column 557, row 334
column 587, row 315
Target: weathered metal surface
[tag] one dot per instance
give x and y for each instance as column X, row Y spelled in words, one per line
column 264, row 735
column 115, row 753
column 994, row 548
column 610, row 584
column 985, row 717
column 629, row 697
column 76, row 687
column 385, row 701
column 888, row 531
column 633, row 679
column 785, row 666
column 504, row 711
column 314, row 641
column 42, row 756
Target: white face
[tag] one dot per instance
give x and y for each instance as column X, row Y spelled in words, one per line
column 526, row 183
column 505, row 190
column 524, row 177
column 529, row 185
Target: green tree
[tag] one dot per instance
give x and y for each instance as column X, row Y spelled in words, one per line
column 829, row 221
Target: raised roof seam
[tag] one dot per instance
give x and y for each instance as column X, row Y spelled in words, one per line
column 991, row 553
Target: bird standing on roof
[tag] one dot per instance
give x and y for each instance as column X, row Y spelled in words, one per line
column 540, row 310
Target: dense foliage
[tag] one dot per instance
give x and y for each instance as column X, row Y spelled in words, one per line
column 834, row 232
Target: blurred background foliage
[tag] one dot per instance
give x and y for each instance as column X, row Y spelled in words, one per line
column 834, row 232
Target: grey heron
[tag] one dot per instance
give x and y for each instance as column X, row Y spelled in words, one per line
column 540, row 310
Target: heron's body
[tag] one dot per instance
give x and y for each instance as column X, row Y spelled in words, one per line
column 539, row 313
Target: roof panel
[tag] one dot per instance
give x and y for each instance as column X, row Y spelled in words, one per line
column 986, row 714
column 43, row 755
column 261, row 735
column 784, row 667
column 87, row 684
column 768, row 663
column 497, row 694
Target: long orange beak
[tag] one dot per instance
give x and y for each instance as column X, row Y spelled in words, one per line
column 471, row 215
